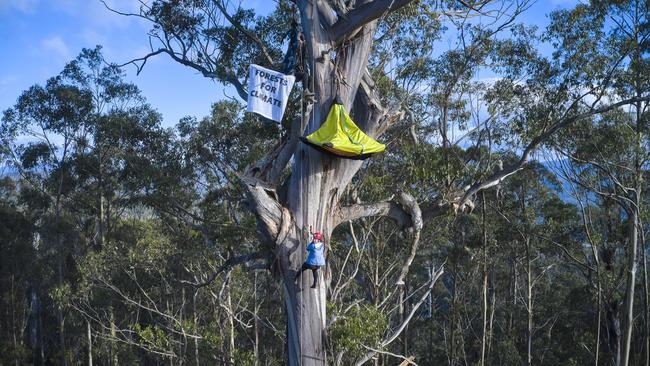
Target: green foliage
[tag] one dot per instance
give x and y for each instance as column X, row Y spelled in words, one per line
column 363, row 325
column 151, row 337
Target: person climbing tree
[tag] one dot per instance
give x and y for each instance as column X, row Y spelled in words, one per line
column 315, row 258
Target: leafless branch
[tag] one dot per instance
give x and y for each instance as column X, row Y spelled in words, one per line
column 228, row 264
column 247, row 33
column 390, row 338
column 407, row 360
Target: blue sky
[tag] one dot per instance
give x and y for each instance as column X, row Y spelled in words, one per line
column 40, row 36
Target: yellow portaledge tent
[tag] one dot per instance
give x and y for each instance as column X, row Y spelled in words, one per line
column 340, row 136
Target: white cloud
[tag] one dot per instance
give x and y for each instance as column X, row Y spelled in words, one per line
column 25, row 6
column 55, row 46
column 92, row 37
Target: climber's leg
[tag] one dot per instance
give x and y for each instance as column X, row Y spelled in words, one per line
column 304, row 267
column 314, row 272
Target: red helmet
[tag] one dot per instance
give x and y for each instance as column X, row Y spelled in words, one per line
column 318, row 236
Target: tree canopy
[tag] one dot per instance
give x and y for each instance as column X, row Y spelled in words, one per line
column 504, row 225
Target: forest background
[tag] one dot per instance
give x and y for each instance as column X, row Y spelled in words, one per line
column 148, row 220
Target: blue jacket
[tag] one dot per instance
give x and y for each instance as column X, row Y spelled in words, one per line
column 315, row 256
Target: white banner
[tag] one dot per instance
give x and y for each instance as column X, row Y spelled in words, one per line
column 268, row 92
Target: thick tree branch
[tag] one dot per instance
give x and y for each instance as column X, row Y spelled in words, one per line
column 268, row 210
column 362, row 15
column 232, row 79
column 385, row 208
column 404, row 211
column 270, row 168
column 500, row 176
column 411, row 205
column 397, row 212
column 327, row 14
column 181, row 59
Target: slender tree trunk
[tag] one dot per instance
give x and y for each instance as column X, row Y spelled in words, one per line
column 529, row 277
column 100, row 198
column 628, row 304
column 513, row 291
column 491, row 323
column 461, row 337
column 452, row 327
column 38, row 328
column 61, row 316
column 13, row 320
column 90, row 344
column 646, row 307
column 599, row 288
column 485, row 281
column 634, row 210
column 529, row 301
column 112, row 352
column 599, row 311
column 41, row 332
column 256, row 347
column 231, row 327
column 196, row 327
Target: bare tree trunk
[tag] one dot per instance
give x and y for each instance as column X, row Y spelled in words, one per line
column 13, row 320
column 599, row 311
column 36, row 341
column 100, row 198
column 529, row 302
column 402, row 297
column 513, row 290
column 491, row 323
column 318, row 180
column 256, row 347
column 529, row 277
column 113, row 353
column 628, row 304
column 61, row 316
column 41, row 331
column 196, row 327
column 316, row 183
column 90, row 344
column 231, row 326
column 646, row 310
column 452, row 327
column 634, row 210
column 485, row 280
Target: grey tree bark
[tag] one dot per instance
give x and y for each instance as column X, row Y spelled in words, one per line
column 317, row 180
column 90, row 344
